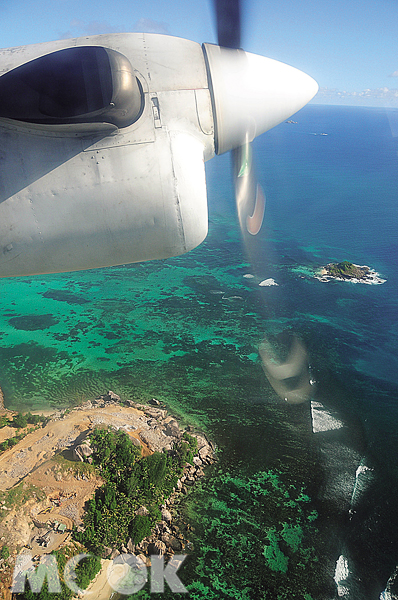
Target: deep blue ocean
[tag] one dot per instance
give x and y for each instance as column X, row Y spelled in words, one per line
column 292, row 509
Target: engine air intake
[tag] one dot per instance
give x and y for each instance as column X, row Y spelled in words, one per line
column 85, row 84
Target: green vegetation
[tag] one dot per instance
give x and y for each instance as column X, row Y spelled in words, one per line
column 20, row 421
column 346, row 270
column 5, row 552
column 13, row 440
column 142, row 595
column 130, row 482
column 188, row 448
column 139, row 528
column 63, row 465
column 18, row 496
column 256, row 539
column 86, row 570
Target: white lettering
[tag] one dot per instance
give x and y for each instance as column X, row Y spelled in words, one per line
column 24, row 568
column 127, row 574
column 70, row 573
column 159, row 574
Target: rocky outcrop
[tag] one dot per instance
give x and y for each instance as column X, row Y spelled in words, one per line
column 82, row 452
column 142, row 511
column 168, row 538
column 111, row 397
column 166, row 515
column 157, row 547
column 160, row 432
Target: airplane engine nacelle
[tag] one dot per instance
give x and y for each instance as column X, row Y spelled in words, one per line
column 103, row 142
column 102, row 150
column 105, row 206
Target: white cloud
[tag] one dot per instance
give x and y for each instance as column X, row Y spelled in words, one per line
column 377, row 97
column 395, row 74
column 150, row 26
column 79, row 27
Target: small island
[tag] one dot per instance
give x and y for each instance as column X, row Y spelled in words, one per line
column 348, row 271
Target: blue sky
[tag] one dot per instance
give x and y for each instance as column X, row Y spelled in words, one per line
column 348, row 46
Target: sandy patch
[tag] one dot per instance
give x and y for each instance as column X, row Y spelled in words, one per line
column 99, row 588
column 60, row 433
column 7, row 432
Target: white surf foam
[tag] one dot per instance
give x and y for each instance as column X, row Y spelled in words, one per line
column 363, row 477
column 362, row 469
column 340, row 575
column 322, row 420
column 268, row 282
column 387, row 595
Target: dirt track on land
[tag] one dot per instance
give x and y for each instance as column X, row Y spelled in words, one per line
column 35, row 461
column 60, row 433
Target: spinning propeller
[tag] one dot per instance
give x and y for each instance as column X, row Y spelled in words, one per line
column 270, row 90
column 275, row 87
column 249, row 195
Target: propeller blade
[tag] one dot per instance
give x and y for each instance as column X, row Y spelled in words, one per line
column 232, row 66
column 250, row 198
column 228, row 23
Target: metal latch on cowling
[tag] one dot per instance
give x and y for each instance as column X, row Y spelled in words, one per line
column 156, row 110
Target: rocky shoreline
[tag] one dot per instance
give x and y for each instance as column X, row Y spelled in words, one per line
column 346, row 271
column 157, row 431
column 167, row 538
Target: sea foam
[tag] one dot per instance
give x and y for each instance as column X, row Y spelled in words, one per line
column 322, row 420
column 340, row 575
column 268, row 282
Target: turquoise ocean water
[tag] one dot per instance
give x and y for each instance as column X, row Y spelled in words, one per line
column 283, row 505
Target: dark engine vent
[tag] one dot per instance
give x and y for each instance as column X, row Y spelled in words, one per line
column 86, row 84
